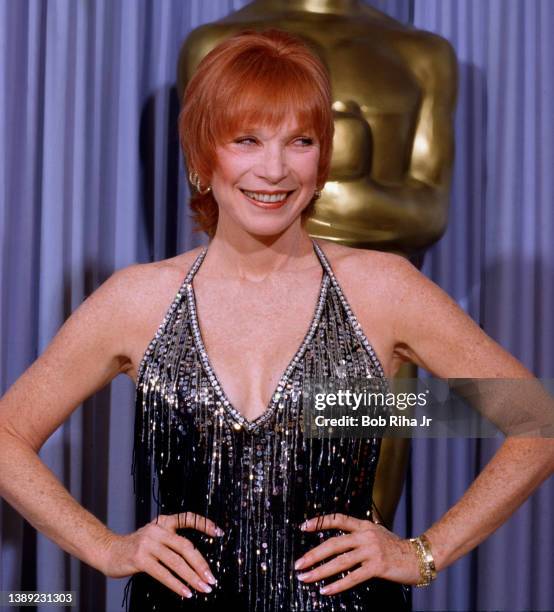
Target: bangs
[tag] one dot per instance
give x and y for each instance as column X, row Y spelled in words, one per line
column 250, row 81
column 268, row 93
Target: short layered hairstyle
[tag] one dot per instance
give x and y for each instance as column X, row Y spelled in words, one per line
column 252, row 79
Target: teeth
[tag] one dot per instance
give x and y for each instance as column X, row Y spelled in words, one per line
column 262, row 197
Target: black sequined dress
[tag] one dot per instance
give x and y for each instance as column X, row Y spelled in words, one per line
column 258, row 480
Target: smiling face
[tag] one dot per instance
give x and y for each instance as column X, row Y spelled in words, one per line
column 264, row 178
column 266, row 82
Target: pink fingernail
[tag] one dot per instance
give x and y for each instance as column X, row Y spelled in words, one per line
column 219, row 531
column 323, row 590
column 187, row 593
column 210, row 577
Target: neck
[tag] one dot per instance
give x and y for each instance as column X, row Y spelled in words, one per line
column 233, row 254
column 312, row 6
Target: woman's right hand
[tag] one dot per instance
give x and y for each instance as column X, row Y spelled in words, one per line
column 156, row 547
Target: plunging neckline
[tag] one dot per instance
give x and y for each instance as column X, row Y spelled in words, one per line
column 236, row 415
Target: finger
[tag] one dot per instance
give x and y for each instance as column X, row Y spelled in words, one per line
column 333, row 521
column 352, row 579
column 180, row 566
column 340, row 563
column 190, row 520
column 184, row 547
column 331, row 546
column 163, row 575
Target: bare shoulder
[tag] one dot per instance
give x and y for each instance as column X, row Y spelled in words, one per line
column 365, row 269
column 372, row 281
column 413, row 319
column 102, row 338
column 149, row 290
column 143, row 285
column 387, row 281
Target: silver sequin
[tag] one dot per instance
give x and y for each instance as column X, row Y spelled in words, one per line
column 258, row 480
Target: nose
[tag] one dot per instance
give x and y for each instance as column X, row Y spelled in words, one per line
column 274, row 164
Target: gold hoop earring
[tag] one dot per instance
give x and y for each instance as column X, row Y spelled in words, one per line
column 317, row 194
column 195, row 180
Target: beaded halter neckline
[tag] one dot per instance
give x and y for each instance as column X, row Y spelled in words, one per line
column 239, row 419
column 186, row 292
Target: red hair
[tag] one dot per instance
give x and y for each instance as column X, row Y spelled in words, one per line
column 252, row 79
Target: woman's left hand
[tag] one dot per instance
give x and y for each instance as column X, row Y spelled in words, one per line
column 380, row 552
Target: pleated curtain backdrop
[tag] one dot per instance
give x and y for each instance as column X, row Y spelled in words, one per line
column 497, row 261
column 91, row 180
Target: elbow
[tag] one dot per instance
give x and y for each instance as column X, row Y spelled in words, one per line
column 9, row 435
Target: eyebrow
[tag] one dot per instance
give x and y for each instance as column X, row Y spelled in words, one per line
column 296, row 132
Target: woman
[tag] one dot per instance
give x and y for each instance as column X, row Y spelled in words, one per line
column 252, row 513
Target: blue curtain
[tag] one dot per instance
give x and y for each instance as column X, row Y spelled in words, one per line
column 497, row 261
column 91, row 180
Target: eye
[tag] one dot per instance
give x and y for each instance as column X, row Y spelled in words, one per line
column 305, row 141
column 245, row 140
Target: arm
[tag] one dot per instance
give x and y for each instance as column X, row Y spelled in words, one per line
column 431, row 330
column 435, row 333
column 87, row 352
column 91, row 348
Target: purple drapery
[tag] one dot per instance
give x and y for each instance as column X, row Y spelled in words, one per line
column 91, row 180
